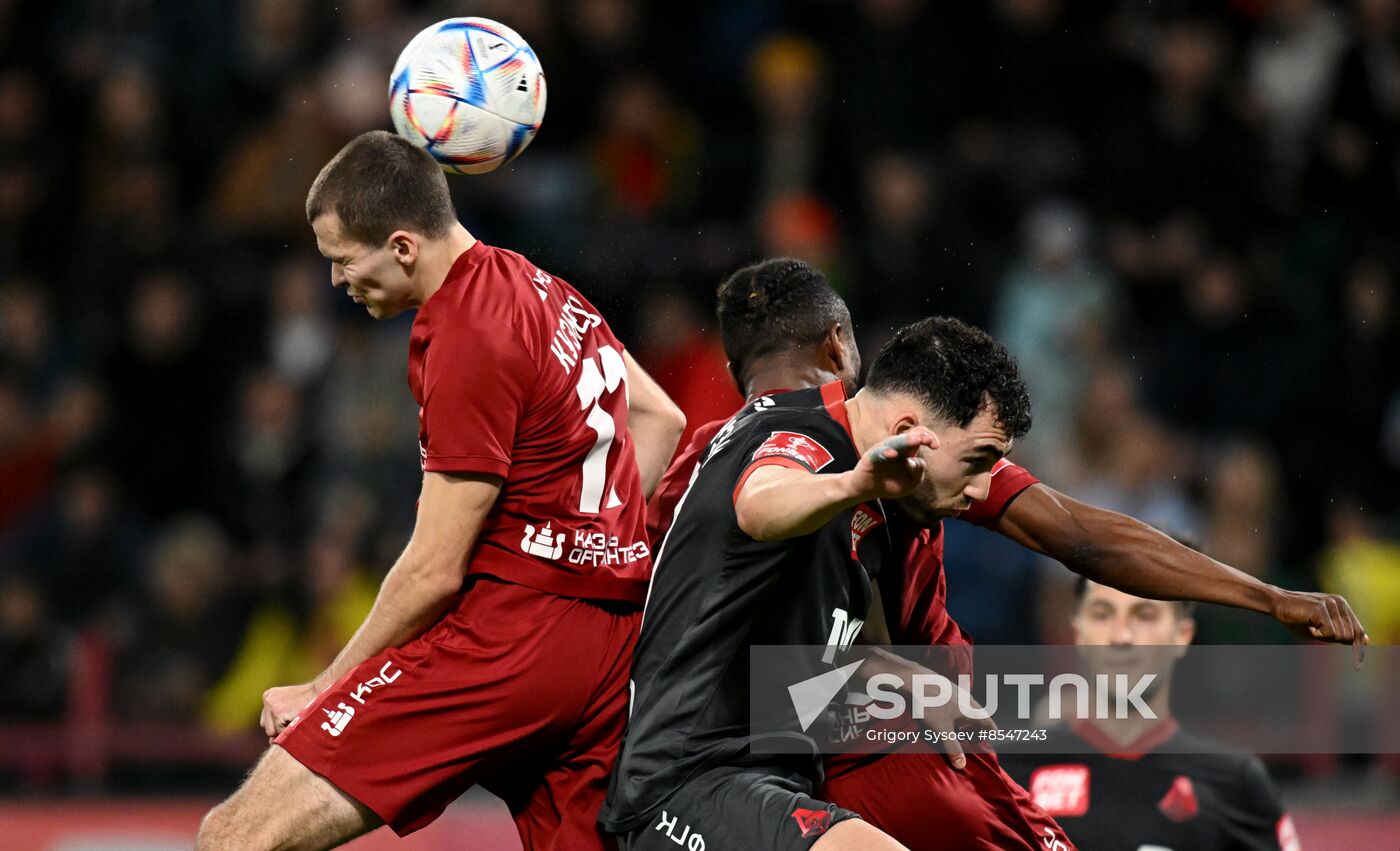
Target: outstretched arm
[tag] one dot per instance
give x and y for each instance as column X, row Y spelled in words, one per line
column 1127, row 554
column 778, row 502
column 417, row 589
column 655, row 423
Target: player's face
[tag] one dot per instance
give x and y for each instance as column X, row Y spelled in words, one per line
column 959, row 470
column 373, row 276
column 1118, row 633
column 1108, row 617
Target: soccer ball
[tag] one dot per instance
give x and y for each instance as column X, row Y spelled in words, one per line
column 470, row 91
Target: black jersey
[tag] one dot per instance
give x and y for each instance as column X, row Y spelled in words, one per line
column 715, row 592
column 1172, row 791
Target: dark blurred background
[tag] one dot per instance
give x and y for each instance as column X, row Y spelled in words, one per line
column 1180, row 216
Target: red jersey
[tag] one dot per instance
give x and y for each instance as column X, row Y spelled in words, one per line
column 674, row 482
column 516, row 375
column 923, row 616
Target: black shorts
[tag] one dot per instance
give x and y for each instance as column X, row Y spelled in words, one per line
column 737, row 809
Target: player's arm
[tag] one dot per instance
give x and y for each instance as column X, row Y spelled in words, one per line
column 778, row 501
column 655, row 422
column 417, row 589
column 1116, row 550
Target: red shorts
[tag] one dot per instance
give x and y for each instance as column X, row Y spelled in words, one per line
column 925, row 803
column 522, row 692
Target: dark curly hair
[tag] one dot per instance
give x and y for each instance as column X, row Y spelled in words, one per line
column 775, row 306
column 954, row 369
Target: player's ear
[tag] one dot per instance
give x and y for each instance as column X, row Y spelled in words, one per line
column 404, row 246
column 834, row 347
column 903, row 420
column 1185, row 633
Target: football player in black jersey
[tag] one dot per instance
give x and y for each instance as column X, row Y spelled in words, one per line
column 1150, row 784
column 784, row 327
column 778, row 537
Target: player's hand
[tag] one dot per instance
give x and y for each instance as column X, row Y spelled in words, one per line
column 283, row 704
column 1323, row 617
column 892, row 469
column 947, row 720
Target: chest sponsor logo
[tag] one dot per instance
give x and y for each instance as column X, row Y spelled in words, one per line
column 863, row 519
column 812, row 822
column 1061, row 790
column 1180, row 804
column 542, row 542
column 681, row 834
column 798, row 447
column 1287, row 834
column 590, row 548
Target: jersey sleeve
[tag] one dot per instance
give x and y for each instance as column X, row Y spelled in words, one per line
column 1260, row 813
column 1008, row 480
column 477, row 383
column 798, row 447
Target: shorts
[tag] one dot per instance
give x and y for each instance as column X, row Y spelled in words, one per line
column 925, row 803
column 738, row 808
column 522, row 692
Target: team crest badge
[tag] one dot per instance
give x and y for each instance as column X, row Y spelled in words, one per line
column 812, row 822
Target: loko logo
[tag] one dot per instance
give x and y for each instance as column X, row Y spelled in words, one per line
column 812, row 822
column 1179, row 804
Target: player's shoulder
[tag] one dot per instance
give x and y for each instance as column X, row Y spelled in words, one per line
column 482, row 291
column 508, row 277
column 1239, row 776
column 1219, row 759
column 795, row 423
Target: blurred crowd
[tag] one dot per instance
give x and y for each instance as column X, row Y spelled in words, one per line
column 1180, row 216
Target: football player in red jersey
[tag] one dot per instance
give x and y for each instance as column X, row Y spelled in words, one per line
column 784, row 328
column 498, row 650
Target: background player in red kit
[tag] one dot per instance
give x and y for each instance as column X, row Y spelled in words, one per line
column 498, row 649
column 784, row 328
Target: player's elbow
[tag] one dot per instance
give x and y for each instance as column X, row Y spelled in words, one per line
column 438, row 578
column 669, row 419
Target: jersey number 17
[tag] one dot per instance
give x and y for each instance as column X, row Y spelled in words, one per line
column 599, row 382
